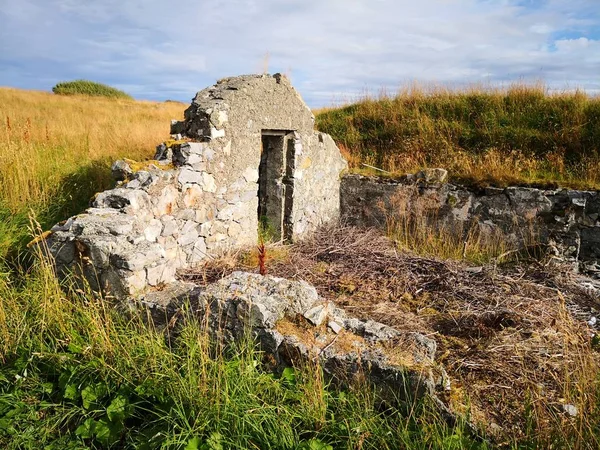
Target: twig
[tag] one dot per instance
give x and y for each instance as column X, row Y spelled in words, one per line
column 376, row 168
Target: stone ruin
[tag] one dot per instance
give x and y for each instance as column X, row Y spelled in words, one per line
column 565, row 222
column 246, row 157
column 246, row 152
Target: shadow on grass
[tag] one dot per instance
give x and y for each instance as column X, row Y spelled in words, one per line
column 71, row 196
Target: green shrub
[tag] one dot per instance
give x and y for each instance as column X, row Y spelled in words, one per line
column 85, row 87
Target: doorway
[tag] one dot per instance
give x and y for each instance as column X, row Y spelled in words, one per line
column 276, row 184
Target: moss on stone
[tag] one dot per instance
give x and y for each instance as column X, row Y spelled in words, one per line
column 170, row 143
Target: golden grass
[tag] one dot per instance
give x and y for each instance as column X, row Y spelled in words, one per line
column 45, row 137
column 520, row 134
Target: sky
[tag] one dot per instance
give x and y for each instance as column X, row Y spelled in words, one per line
column 333, row 50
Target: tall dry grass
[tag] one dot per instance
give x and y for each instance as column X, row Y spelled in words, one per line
column 416, row 223
column 46, row 137
column 56, row 152
column 498, row 136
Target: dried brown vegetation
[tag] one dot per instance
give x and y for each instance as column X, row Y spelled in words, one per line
column 506, row 336
column 521, row 134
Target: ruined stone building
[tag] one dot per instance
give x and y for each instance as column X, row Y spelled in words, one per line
column 246, row 152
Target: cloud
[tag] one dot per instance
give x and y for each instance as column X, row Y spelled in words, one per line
column 332, row 49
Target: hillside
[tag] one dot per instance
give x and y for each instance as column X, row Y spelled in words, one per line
column 56, row 151
column 520, row 135
column 76, row 372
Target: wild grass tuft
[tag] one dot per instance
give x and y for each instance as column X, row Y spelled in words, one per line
column 412, row 222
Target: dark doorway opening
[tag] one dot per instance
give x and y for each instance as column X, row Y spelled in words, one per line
column 276, row 184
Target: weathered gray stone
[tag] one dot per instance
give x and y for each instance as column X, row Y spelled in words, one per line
column 188, row 238
column 564, row 220
column 166, row 202
column 335, row 327
column 234, row 230
column 163, row 273
column 120, row 198
column 317, row 314
column 186, row 214
column 251, row 174
column 199, row 251
column 145, row 178
column 153, row 230
column 121, row 170
column 570, row 410
column 139, row 257
column 207, row 182
column 432, row 175
column 243, row 302
column 188, row 176
column 133, row 184
column 169, row 226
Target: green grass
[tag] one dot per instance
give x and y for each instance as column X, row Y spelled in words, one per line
column 86, row 87
column 78, row 374
column 520, row 135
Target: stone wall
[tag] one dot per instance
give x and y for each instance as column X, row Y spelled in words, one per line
column 567, row 220
column 200, row 195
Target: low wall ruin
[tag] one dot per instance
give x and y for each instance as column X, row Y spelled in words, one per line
column 247, row 156
column 566, row 220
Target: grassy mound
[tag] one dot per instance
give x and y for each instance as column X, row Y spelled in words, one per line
column 85, row 87
column 519, row 135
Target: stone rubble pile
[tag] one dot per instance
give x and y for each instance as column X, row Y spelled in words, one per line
column 292, row 324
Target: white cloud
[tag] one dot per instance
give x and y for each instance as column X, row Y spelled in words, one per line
column 331, row 48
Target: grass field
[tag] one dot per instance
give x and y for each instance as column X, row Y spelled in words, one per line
column 76, row 373
column 519, row 135
column 56, row 152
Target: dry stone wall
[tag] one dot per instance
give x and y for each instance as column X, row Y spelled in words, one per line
column 200, row 195
column 566, row 220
